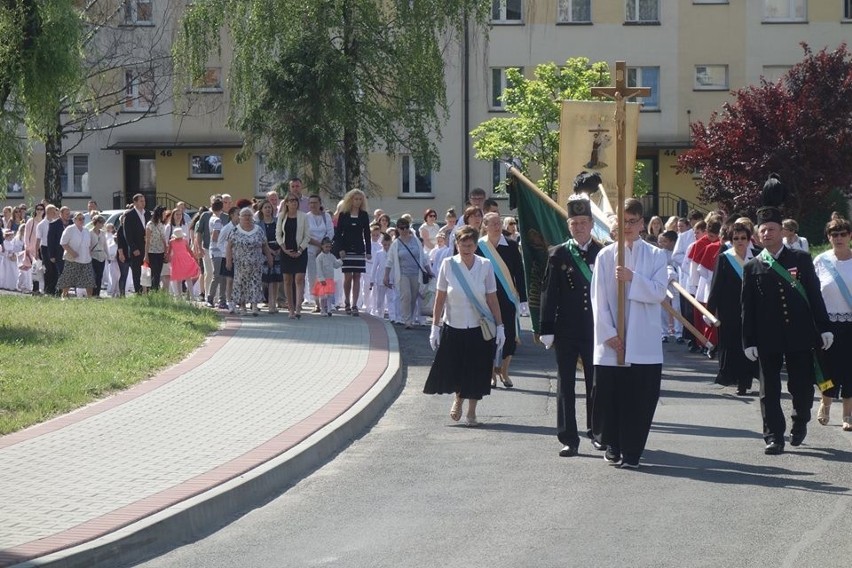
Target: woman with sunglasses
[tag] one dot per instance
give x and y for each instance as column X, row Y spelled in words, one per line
column 834, row 270
column 429, row 230
column 724, row 301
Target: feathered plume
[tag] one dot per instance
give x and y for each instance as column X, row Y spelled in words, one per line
column 587, row 182
column 774, row 192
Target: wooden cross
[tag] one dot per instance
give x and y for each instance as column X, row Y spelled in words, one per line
column 620, row 94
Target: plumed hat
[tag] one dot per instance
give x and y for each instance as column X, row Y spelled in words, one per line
column 772, row 197
column 587, row 182
column 579, row 206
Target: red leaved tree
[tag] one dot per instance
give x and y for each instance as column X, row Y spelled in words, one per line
column 799, row 127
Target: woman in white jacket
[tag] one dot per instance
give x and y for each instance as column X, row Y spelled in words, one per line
column 293, row 236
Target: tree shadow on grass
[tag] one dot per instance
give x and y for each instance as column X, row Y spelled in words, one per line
column 20, row 336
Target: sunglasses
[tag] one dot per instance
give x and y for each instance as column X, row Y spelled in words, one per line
column 739, row 239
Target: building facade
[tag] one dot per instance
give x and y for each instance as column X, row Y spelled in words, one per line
column 691, row 53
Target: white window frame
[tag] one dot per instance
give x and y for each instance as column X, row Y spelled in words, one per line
column 790, row 16
column 494, row 102
column 201, row 85
column 498, row 180
column 636, row 4
column 773, row 73
column 206, row 175
column 711, row 1
column 639, row 71
column 70, row 185
column 706, row 78
column 407, row 166
column 847, row 9
column 136, row 82
column 131, row 12
column 501, row 9
column 565, row 12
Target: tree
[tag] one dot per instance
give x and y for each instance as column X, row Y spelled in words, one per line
column 39, row 62
column 532, row 134
column 312, row 80
column 799, row 127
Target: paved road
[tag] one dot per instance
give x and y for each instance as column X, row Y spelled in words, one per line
column 421, row 491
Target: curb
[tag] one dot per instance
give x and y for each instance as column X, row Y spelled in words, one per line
column 206, row 513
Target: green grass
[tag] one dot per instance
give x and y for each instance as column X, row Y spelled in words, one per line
column 57, row 356
column 817, row 249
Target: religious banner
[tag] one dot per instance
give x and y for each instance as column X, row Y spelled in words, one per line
column 587, row 141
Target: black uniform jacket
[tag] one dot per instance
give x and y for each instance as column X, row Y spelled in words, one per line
column 566, row 307
column 776, row 318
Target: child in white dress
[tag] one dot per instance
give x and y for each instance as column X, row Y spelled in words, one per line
column 324, row 286
column 9, row 262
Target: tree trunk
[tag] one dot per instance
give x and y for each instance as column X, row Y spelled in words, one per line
column 351, row 161
column 53, row 166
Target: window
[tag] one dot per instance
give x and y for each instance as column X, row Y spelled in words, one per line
column 138, row 90
column 574, row 11
column 847, row 10
column 785, row 10
column 209, row 82
column 205, row 166
column 78, row 182
column 414, row 181
column 498, row 175
column 267, row 178
column 711, row 78
column 499, row 82
column 14, row 188
column 710, row 1
column 646, row 77
column 138, row 12
column 774, row 73
column 506, row 11
column 643, row 11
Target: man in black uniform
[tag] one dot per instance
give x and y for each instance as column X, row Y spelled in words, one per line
column 566, row 320
column 784, row 318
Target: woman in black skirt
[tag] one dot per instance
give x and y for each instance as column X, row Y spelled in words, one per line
column 271, row 275
column 509, row 268
column 353, row 245
column 724, row 301
column 293, row 238
column 464, row 358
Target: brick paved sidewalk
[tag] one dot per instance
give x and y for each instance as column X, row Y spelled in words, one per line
column 257, row 389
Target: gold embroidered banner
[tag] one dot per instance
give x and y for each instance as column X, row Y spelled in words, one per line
column 587, row 142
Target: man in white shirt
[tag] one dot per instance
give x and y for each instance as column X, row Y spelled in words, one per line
column 686, row 236
column 626, row 396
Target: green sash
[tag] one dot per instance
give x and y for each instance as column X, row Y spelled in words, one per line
column 822, row 382
column 572, row 247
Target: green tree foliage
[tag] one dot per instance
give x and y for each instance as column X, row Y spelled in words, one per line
column 40, row 61
column 799, row 127
column 532, row 133
column 314, row 79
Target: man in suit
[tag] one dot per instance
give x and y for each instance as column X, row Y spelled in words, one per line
column 133, row 243
column 784, row 319
column 566, row 320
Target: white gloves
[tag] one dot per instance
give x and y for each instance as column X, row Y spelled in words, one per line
column 751, row 353
column 435, row 337
column 501, row 336
column 707, row 320
column 546, row 340
column 525, row 309
column 827, row 340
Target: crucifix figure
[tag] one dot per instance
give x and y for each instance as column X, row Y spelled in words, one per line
column 621, row 93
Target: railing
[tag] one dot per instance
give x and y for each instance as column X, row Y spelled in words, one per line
column 152, row 199
column 667, row 205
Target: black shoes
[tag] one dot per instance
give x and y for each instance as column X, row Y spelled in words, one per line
column 612, row 456
column 798, row 436
column 774, row 448
column 597, row 445
column 568, row 452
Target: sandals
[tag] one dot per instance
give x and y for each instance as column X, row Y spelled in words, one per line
column 456, row 410
column 348, row 310
column 822, row 413
column 847, row 423
column 507, row 382
column 355, row 311
column 471, row 421
column 494, row 382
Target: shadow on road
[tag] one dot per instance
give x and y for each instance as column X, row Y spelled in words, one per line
column 732, row 473
column 698, row 430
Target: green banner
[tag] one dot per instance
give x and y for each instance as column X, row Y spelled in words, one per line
column 541, row 227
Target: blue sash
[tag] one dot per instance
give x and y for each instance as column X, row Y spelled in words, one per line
column 841, row 284
column 738, row 268
column 462, row 278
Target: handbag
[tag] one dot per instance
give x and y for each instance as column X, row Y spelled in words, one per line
column 487, row 324
column 145, row 276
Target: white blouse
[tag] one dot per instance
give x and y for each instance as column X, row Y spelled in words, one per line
column 320, row 226
column 80, row 241
column 459, row 312
column 836, row 305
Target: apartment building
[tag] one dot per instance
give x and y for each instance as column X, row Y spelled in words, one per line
column 691, row 53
